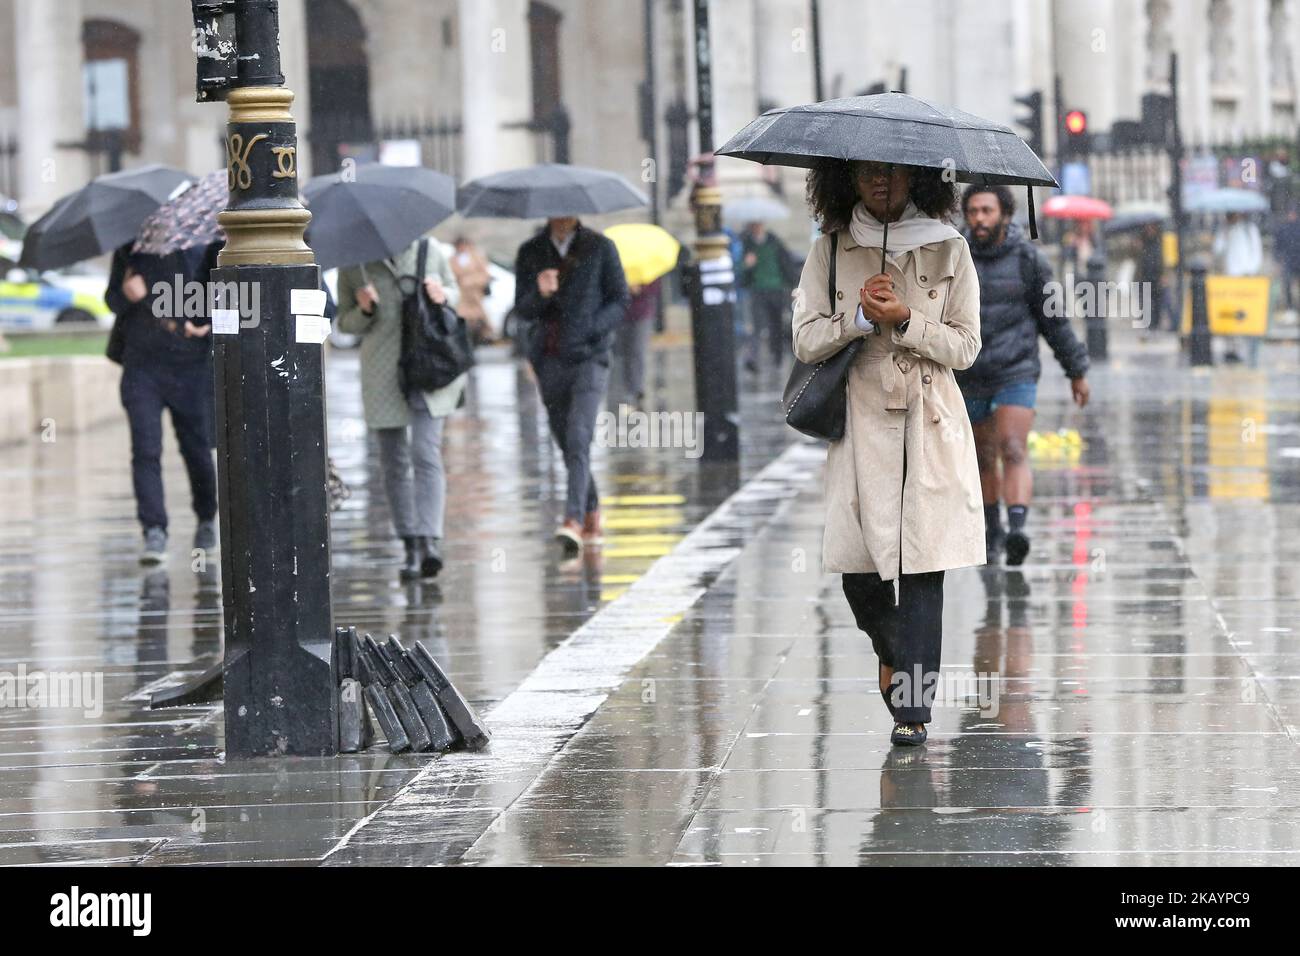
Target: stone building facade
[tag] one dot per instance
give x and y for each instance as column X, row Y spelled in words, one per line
column 483, row 85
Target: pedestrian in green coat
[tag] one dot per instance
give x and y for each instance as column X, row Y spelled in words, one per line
column 409, row 428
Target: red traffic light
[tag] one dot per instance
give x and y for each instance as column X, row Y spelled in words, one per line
column 1076, row 122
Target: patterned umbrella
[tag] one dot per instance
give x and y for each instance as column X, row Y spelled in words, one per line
column 187, row 221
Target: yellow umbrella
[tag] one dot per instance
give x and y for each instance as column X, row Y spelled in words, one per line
column 647, row 251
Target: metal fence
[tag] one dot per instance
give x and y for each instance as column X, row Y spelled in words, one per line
column 9, row 175
column 439, row 141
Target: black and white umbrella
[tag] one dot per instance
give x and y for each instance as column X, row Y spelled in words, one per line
column 892, row 128
column 548, row 190
column 374, row 211
column 98, row 217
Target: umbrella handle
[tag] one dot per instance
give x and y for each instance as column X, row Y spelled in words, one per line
column 889, row 196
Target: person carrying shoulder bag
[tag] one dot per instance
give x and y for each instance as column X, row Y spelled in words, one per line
column 409, row 428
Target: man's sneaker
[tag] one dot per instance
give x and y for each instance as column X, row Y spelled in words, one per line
column 155, row 546
column 994, row 539
column 205, row 536
column 592, row 529
column 569, row 535
column 1017, row 547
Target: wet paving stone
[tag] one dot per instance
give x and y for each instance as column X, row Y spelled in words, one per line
column 1145, row 661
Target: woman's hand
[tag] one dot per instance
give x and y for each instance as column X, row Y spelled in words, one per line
column 367, row 297
column 879, row 304
column 435, row 290
column 133, row 287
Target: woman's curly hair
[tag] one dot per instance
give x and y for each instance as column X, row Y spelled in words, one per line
column 832, row 193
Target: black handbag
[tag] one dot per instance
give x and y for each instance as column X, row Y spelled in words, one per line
column 816, row 396
column 436, row 349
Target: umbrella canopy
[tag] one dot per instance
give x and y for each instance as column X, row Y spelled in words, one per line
column 1135, row 215
column 99, row 216
column 187, row 221
column 376, row 213
column 1228, row 200
column 646, row 251
column 548, row 190
column 890, row 128
column 1077, row 207
column 749, row 209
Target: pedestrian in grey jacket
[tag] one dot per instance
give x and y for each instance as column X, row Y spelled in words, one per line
column 1001, row 387
column 409, row 428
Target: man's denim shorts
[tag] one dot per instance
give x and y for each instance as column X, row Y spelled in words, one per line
column 1024, row 394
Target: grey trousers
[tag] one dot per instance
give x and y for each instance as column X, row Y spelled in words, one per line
column 414, row 478
column 630, row 347
column 573, row 395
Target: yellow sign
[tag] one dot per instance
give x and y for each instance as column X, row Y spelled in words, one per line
column 1169, row 248
column 1238, row 305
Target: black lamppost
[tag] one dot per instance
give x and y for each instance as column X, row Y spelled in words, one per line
column 279, row 679
column 713, row 332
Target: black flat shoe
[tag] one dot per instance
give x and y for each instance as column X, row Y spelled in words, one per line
column 1017, row 548
column 410, row 570
column 905, row 735
column 430, row 558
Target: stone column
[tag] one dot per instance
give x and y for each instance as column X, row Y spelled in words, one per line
column 495, row 85
column 48, row 61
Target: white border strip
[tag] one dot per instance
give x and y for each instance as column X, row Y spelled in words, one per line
column 532, row 723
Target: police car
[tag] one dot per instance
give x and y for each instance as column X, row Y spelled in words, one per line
column 31, row 301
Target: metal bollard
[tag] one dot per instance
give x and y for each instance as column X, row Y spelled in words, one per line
column 1199, row 345
column 1096, row 320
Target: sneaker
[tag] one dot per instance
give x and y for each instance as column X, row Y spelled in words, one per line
column 1017, row 547
column 569, row 535
column 155, row 546
column 592, row 530
column 205, row 536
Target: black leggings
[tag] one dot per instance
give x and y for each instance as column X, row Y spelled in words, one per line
column 907, row 636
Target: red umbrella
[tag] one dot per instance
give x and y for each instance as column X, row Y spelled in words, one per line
column 1077, row 207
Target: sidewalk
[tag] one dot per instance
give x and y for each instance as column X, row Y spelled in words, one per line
column 135, row 786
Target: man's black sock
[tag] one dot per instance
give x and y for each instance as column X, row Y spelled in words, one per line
column 993, row 516
column 1016, row 515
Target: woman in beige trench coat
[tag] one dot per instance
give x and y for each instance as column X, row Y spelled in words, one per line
column 903, row 497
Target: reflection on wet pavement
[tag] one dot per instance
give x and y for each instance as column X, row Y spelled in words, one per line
column 1126, row 699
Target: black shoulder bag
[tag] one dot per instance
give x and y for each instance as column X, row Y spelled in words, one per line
column 816, row 396
column 436, row 348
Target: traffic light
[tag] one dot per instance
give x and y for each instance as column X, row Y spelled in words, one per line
column 1077, row 138
column 1033, row 121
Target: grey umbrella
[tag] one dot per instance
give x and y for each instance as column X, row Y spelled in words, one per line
column 548, row 190
column 99, row 216
column 374, row 212
column 893, row 128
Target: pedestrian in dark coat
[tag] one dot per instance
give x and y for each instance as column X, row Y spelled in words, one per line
column 166, row 361
column 1287, row 249
column 767, row 273
column 1001, row 387
column 570, row 285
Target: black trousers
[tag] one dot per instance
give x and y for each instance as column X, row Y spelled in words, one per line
column 907, row 635
column 187, row 393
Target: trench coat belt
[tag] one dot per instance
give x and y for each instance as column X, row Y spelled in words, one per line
column 893, row 370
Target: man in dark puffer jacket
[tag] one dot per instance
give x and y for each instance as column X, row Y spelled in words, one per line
column 1001, row 387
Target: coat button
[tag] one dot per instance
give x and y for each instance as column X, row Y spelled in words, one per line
column 934, row 293
column 935, row 420
column 925, row 379
column 839, row 295
column 923, row 279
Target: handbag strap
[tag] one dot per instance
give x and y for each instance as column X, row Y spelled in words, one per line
column 835, row 245
column 422, row 260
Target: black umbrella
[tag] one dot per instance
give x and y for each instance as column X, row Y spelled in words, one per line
column 893, row 128
column 102, row 215
column 374, row 211
column 548, row 190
